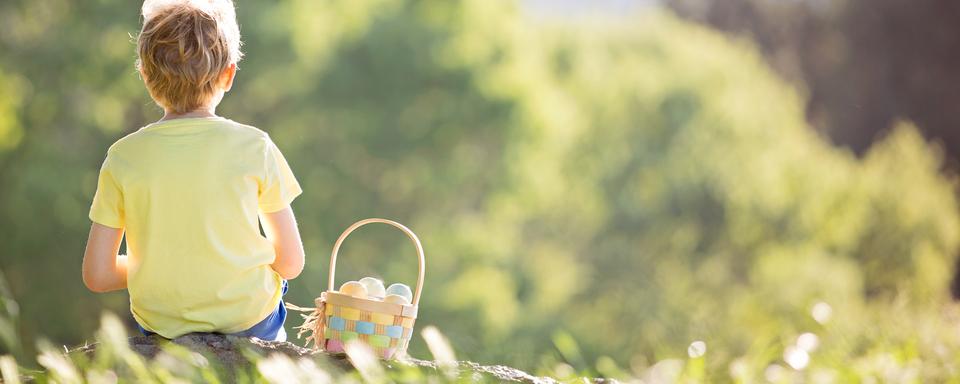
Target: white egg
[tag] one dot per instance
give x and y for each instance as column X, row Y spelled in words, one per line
column 374, row 287
column 354, row 288
column 400, row 290
column 396, row 299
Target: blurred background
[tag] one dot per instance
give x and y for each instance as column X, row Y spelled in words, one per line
column 749, row 189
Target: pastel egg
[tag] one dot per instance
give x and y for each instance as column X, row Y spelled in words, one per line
column 396, row 299
column 374, row 287
column 401, row 290
column 354, row 288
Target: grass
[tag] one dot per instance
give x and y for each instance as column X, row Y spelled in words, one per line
column 881, row 341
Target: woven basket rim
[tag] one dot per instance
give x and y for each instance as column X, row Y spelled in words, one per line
column 336, row 298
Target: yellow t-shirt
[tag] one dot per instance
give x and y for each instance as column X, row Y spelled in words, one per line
column 188, row 193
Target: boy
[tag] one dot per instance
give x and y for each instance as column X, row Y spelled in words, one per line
column 188, row 190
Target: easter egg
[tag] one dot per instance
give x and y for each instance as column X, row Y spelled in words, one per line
column 374, row 287
column 401, row 290
column 396, row 299
column 354, row 288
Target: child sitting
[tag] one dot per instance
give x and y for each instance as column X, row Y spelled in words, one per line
column 189, row 189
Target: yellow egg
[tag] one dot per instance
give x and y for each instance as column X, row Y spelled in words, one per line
column 354, row 288
column 396, row 299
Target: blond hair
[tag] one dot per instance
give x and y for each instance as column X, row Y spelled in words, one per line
column 184, row 47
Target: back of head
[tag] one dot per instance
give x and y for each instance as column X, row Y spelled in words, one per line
column 184, row 47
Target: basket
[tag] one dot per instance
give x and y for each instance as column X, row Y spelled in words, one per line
column 337, row 319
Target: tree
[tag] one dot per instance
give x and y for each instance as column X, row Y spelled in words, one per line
column 638, row 184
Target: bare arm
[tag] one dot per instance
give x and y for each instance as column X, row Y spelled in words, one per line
column 281, row 229
column 103, row 269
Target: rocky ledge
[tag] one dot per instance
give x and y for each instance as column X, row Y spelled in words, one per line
column 229, row 351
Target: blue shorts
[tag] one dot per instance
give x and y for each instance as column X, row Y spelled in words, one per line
column 270, row 328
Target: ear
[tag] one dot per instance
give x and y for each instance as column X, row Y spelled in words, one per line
column 226, row 78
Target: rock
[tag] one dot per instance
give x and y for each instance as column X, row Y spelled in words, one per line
column 473, row 372
column 228, row 351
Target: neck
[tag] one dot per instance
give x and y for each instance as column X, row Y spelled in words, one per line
column 200, row 112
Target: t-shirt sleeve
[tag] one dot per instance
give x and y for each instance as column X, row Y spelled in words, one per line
column 279, row 186
column 107, row 207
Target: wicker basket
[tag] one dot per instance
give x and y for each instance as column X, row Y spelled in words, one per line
column 338, row 318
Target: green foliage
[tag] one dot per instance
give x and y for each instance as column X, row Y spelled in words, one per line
column 619, row 188
column 9, row 317
column 907, row 347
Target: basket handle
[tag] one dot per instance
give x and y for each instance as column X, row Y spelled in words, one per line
column 407, row 231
